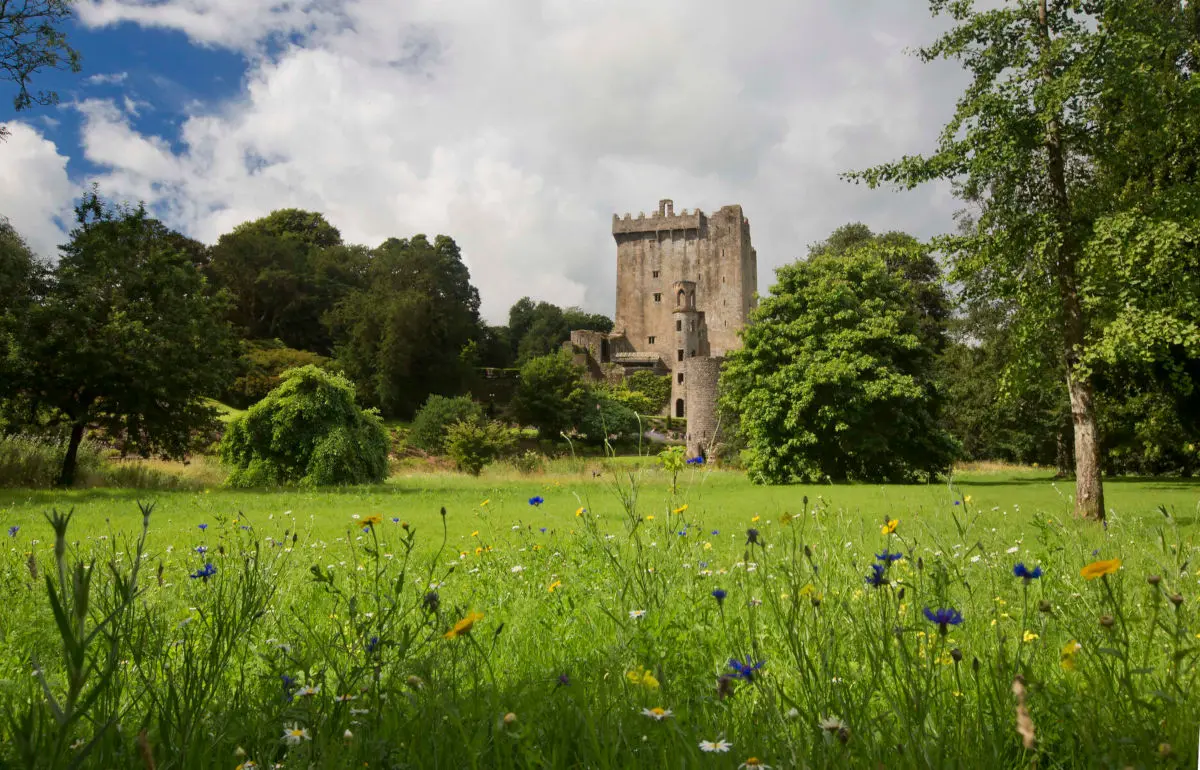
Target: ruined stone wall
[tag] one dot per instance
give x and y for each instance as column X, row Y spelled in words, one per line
column 701, row 386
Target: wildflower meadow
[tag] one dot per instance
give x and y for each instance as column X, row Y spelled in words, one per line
column 633, row 618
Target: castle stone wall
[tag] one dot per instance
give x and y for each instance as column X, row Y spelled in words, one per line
column 701, row 385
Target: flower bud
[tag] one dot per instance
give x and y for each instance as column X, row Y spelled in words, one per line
column 1044, row 606
column 1177, row 600
column 1154, row 580
column 956, row 654
column 1106, row 621
column 510, row 718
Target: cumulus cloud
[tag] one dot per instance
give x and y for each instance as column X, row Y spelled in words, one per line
column 35, row 193
column 107, row 79
column 520, row 127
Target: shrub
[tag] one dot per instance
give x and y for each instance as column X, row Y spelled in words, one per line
column 261, row 367
column 545, row 397
column 605, row 417
column 428, row 430
column 309, row 431
column 656, row 388
column 473, row 444
column 35, row 462
column 528, row 462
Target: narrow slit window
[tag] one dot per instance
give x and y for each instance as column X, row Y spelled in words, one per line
column 657, row 297
column 679, row 326
column 655, row 273
column 679, row 378
column 680, row 354
column 651, row 339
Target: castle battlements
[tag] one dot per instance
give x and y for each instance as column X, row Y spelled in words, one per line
column 664, row 219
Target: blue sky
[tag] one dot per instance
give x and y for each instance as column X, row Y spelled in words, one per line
column 518, row 127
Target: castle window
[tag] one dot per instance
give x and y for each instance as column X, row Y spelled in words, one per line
column 657, row 297
column 680, row 352
column 679, row 378
column 651, row 340
column 655, row 273
column 679, row 326
column 679, row 407
column 691, row 326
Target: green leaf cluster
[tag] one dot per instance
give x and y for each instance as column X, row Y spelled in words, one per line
column 475, row 443
column 430, row 427
column 308, row 431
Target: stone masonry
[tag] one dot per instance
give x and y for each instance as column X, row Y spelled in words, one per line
column 686, row 284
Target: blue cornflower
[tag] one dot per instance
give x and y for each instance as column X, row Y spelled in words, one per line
column 745, row 670
column 697, row 460
column 1022, row 571
column 373, row 644
column 563, row 680
column 719, row 594
column 395, row 520
column 536, row 500
column 958, row 502
column 289, row 686
column 246, row 528
column 201, row 549
column 887, row 557
column 944, row 617
column 202, row 527
column 682, row 533
column 204, row 574
column 716, row 531
column 542, row 529
column 703, row 565
column 13, row 530
column 877, row 577
column 752, row 536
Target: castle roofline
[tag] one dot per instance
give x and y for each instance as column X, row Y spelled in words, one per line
column 656, row 223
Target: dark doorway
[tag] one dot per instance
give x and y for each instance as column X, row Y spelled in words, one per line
column 679, row 407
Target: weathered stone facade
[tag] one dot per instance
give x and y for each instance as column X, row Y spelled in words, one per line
column 686, row 284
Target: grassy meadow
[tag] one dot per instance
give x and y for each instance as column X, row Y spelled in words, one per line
column 623, row 621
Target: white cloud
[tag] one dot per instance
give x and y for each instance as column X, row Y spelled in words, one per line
column 520, row 127
column 112, row 78
column 35, row 194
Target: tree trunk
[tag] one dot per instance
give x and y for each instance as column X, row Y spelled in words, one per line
column 1089, row 492
column 67, row 477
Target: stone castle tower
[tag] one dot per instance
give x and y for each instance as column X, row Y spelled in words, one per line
column 686, row 284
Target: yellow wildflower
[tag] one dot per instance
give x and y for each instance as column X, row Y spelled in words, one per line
column 786, row 519
column 650, row 517
column 1100, row 568
column 485, row 502
column 579, row 511
column 555, row 584
column 680, row 509
column 464, row 626
column 475, row 533
column 707, row 546
column 756, row 518
column 967, row 499
column 640, row 676
column 889, row 527
column 1029, row 636
column 1068, row 654
column 370, row 521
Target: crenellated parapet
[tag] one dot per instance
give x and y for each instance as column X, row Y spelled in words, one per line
column 665, row 219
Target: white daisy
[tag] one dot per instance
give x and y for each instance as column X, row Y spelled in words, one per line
column 294, row 734
column 657, row 714
column 718, row 747
column 637, row 614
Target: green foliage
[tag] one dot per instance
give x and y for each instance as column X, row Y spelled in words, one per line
column 602, row 417
column 579, row 320
column 21, row 282
column 429, row 427
column 31, row 40
column 547, row 394
column 833, row 379
column 308, row 431
column 540, row 329
column 656, row 388
column 402, row 337
column 261, row 365
column 474, row 444
column 285, row 273
column 126, row 338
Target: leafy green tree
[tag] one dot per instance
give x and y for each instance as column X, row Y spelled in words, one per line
column 580, row 320
column 285, row 273
column 261, row 367
column 32, row 40
column 1075, row 146
column 402, row 337
column 429, row 427
column 834, row 376
column 308, row 431
column 548, row 392
column 475, row 443
column 655, row 387
column 127, row 338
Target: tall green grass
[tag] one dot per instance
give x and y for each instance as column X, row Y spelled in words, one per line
column 578, row 616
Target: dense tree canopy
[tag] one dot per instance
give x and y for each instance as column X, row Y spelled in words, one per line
column 403, row 336
column 548, row 393
column 127, row 337
column 834, row 376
